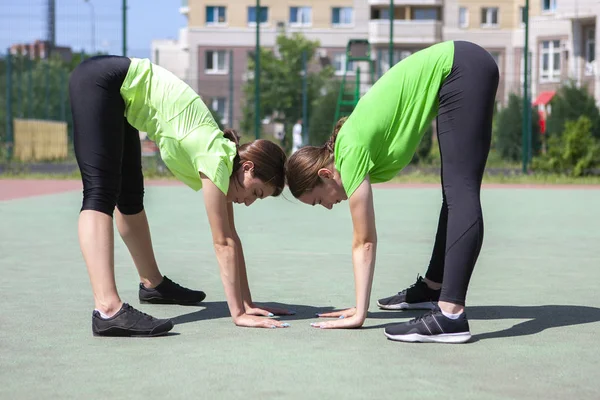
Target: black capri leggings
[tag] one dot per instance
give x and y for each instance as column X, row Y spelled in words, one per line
column 107, row 147
column 464, row 126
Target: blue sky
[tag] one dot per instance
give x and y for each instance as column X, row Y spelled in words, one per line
column 23, row 21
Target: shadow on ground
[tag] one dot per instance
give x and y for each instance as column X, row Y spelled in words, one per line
column 538, row 318
column 219, row 309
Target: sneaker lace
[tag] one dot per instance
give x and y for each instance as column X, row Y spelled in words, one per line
column 419, row 280
column 422, row 317
column 136, row 311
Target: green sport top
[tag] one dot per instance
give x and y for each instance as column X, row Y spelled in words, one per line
column 381, row 135
column 178, row 121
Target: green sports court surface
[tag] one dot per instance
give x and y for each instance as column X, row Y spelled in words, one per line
column 533, row 304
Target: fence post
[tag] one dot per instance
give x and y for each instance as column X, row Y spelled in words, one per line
column 230, row 89
column 9, row 133
column 20, row 86
column 304, row 98
column 29, row 87
column 63, row 89
column 47, row 70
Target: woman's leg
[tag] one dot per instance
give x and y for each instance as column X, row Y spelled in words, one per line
column 98, row 140
column 130, row 215
column 134, row 229
column 98, row 110
column 464, row 131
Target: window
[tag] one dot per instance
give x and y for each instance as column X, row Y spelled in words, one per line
column 489, row 16
column 590, row 51
column 550, row 61
column 264, row 15
column 399, row 55
column 339, row 64
column 548, row 5
column 342, row 16
column 301, row 16
column 216, row 15
column 522, row 16
column 219, row 104
column 216, row 62
column 427, row 14
column 463, row 17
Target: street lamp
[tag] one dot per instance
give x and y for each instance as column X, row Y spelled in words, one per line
column 93, row 17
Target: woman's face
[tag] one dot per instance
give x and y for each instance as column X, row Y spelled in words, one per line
column 245, row 188
column 329, row 193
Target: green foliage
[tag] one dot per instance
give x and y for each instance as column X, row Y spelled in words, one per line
column 569, row 103
column 576, row 152
column 322, row 114
column 39, row 90
column 423, row 153
column 509, row 130
column 281, row 81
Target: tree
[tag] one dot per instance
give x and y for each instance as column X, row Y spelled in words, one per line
column 509, row 130
column 322, row 114
column 569, row 103
column 575, row 152
column 281, row 81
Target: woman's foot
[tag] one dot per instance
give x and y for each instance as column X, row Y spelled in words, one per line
column 129, row 322
column 169, row 292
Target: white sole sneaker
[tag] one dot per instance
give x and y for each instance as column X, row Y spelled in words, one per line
column 428, row 305
column 460, row 337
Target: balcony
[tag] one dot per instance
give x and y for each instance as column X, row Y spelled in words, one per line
column 184, row 8
column 400, row 3
column 406, row 31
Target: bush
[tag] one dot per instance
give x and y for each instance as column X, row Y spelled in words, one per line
column 575, row 152
column 570, row 103
column 509, row 130
column 423, row 153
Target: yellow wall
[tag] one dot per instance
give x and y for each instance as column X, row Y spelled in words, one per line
column 37, row 140
column 279, row 10
column 508, row 12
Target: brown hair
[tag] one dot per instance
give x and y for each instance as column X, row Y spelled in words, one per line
column 268, row 158
column 303, row 166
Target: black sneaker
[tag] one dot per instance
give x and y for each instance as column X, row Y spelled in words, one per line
column 433, row 327
column 168, row 292
column 129, row 322
column 416, row 297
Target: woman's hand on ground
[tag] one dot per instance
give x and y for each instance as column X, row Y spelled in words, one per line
column 340, row 323
column 252, row 321
column 253, row 309
column 348, row 312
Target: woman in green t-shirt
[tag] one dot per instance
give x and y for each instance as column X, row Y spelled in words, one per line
column 457, row 82
column 112, row 98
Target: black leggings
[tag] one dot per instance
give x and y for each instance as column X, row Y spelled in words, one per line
column 107, row 147
column 464, row 126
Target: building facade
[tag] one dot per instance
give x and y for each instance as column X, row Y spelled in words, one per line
column 220, row 35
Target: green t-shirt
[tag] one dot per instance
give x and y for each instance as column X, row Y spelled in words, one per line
column 381, row 135
column 178, row 121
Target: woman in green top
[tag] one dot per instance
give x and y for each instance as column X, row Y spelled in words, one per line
column 112, row 98
column 457, row 82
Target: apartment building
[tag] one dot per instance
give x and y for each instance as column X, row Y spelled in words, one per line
column 562, row 45
column 221, row 34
